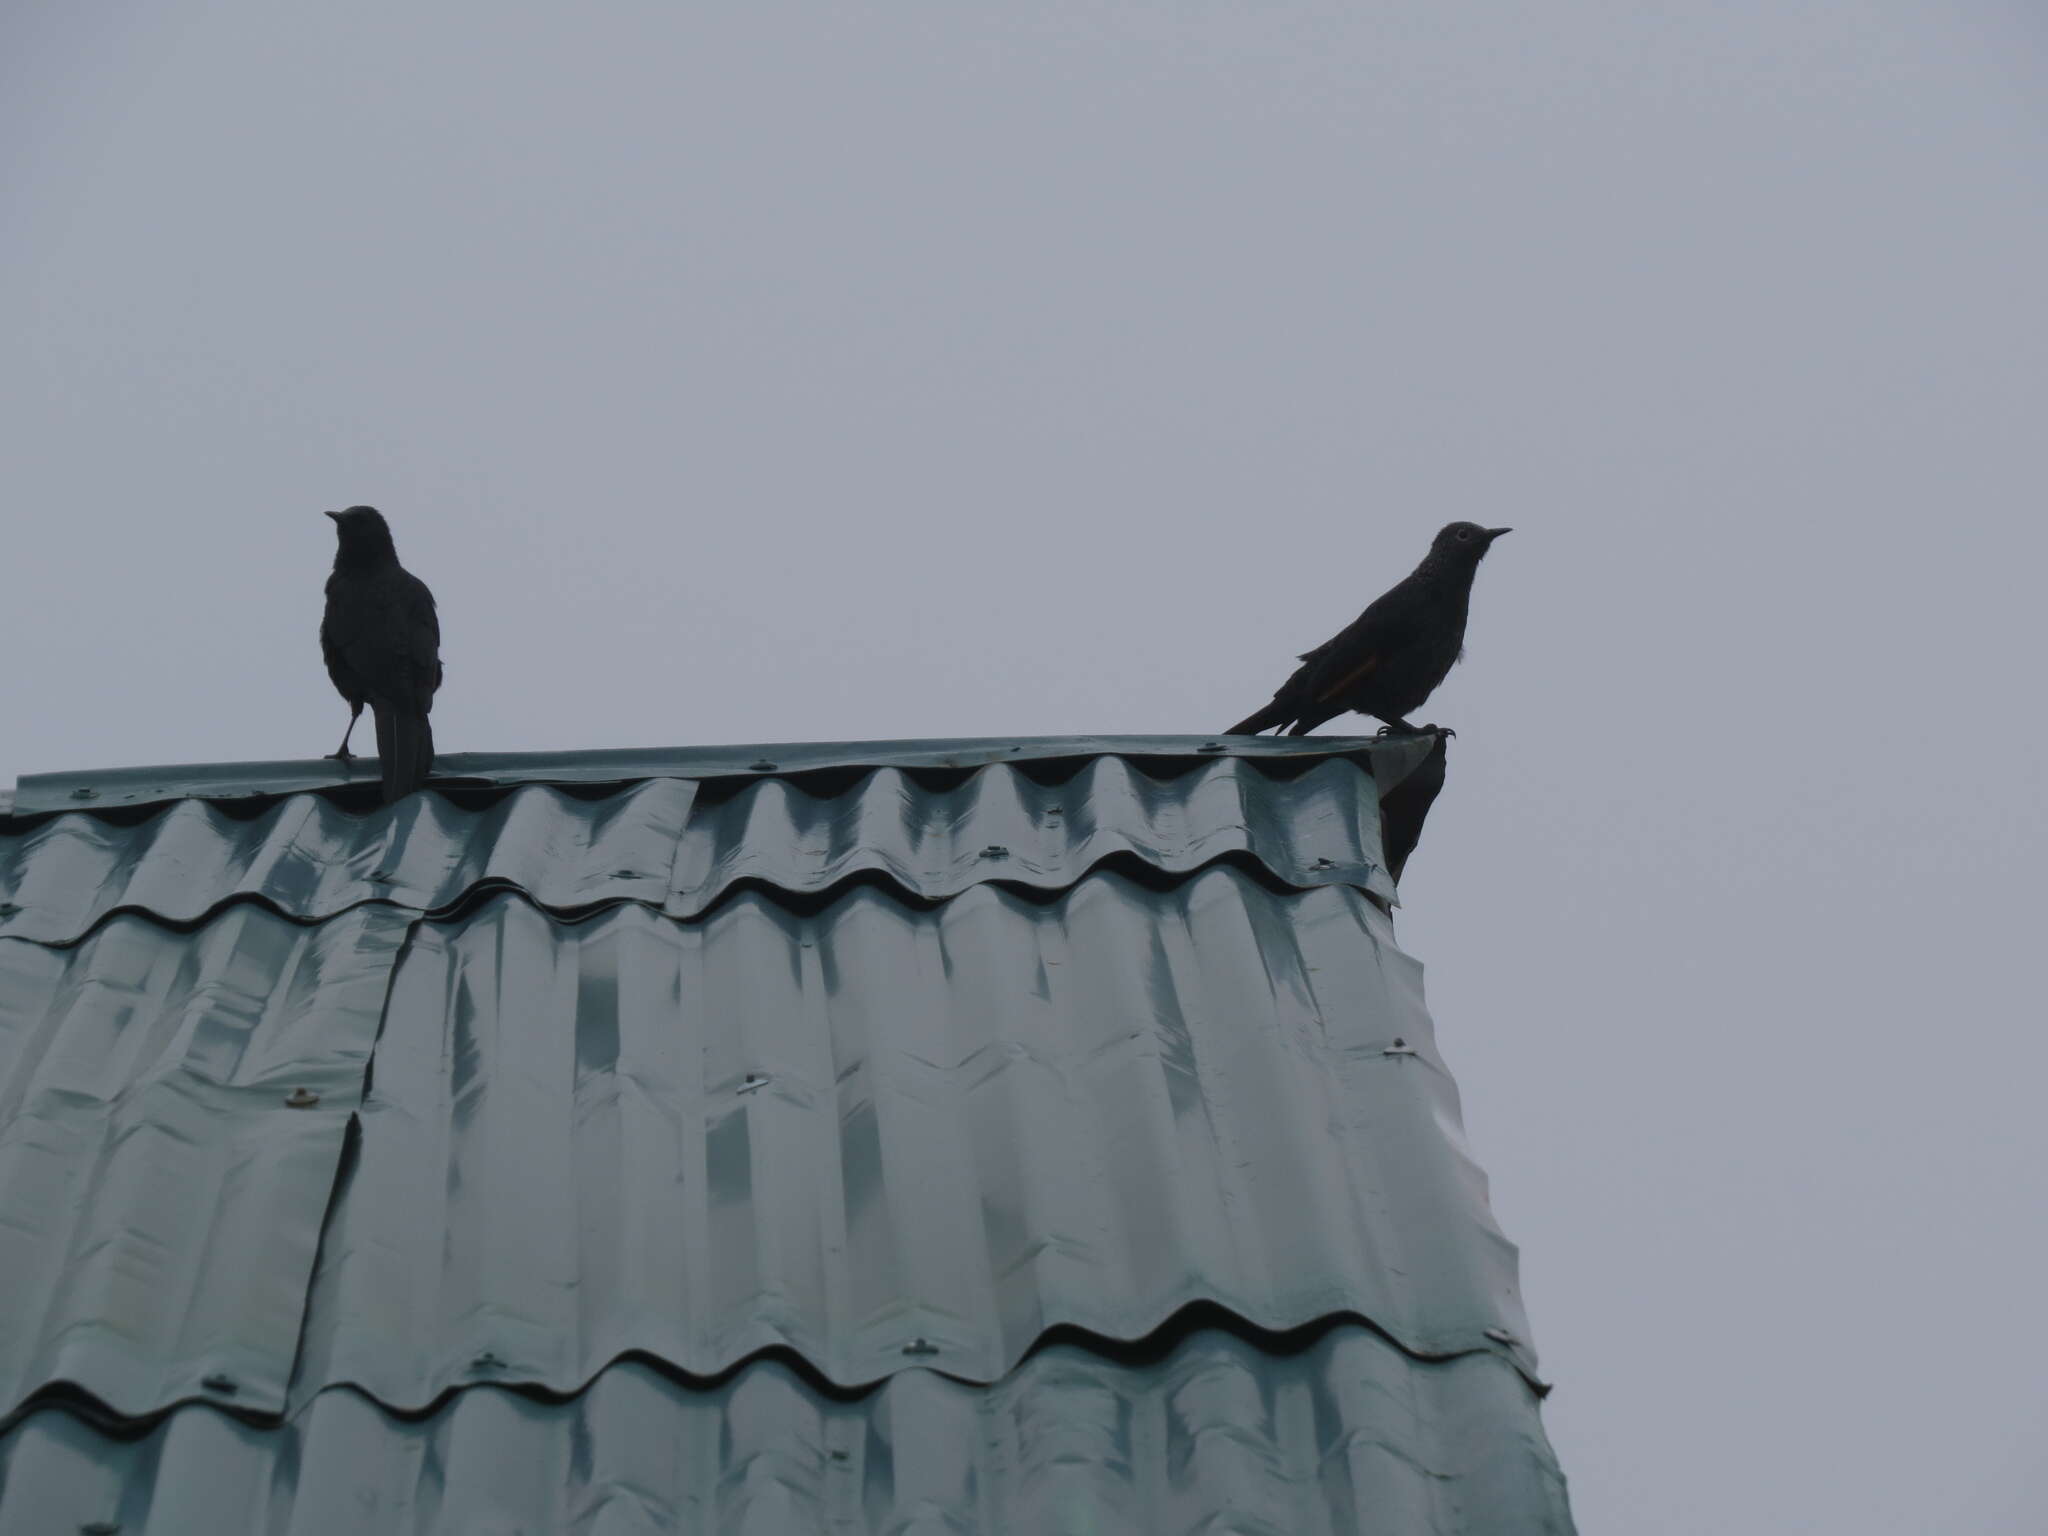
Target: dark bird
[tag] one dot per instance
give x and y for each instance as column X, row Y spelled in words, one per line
column 1390, row 658
column 383, row 648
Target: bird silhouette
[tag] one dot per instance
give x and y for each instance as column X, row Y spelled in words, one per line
column 1388, row 660
column 382, row 644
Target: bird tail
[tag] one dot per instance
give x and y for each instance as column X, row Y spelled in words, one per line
column 405, row 750
column 424, row 752
column 1274, row 713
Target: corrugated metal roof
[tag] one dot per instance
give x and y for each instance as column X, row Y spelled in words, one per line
column 661, row 842
column 885, row 1058
column 1347, row 1435
column 879, row 1134
column 160, row 1196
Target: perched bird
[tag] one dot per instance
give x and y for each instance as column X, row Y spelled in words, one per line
column 1392, row 656
column 383, row 648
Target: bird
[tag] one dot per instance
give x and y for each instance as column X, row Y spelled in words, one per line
column 382, row 644
column 1389, row 659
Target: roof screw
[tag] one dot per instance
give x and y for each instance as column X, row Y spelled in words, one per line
column 839, row 1455
column 487, row 1361
column 379, row 877
column 920, row 1346
column 753, row 1082
column 1502, row 1336
column 1055, row 810
column 83, row 793
column 301, row 1098
column 626, row 874
column 1211, row 746
column 1325, row 863
column 995, row 851
column 1400, row 1047
column 760, row 765
column 100, row 1528
column 221, row 1382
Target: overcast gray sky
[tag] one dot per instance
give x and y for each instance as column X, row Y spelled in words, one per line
column 768, row 372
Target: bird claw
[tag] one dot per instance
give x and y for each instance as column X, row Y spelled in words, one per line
column 1416, row 730
column 341, row 757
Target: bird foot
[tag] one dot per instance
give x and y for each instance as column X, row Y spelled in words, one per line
column 1403, row 728
column 343, row 756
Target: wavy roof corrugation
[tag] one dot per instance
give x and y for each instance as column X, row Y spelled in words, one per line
column 881, row 1135
column 160, row 1195
column 661, row 842
column 885, row 1059
column 1347, row 1435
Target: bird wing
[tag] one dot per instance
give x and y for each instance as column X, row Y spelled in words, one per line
column 424, row 625
column 1337, row 687
column 385, row 635
column 1348, row 657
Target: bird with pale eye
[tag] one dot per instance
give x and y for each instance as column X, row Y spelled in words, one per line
column 1390, row 659
column 382, row 643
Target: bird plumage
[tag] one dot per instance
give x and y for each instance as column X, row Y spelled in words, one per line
column 382, row 643
column 1390, row 659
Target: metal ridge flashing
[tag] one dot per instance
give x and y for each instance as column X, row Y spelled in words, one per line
column 1392, row 760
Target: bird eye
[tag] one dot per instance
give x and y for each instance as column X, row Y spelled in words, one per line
column 1464, row 533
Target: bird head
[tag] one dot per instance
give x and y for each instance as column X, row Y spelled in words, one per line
column 1464, row 543
column 363, row 536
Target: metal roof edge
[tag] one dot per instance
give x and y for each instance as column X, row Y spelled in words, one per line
column 1392, row 760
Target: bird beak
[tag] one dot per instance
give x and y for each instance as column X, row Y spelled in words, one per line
column 335, row 515
column 1491, row 533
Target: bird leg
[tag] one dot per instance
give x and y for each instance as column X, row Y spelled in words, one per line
column 341, row 754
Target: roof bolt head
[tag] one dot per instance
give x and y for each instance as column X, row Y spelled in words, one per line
column 487, row 1361
column 920, row 1346
column 100, row 1528
column 379, row 877
column 627, row 874
column 221, row 1382
column 1400, row 1047
column 1502, row 1336
column 760, row 765
column 1211, row 746
column 83, row 793
column 840, row 1455
column 995, row 851
column 301, row 1098
column 1325, row 863
column 752, row 1082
